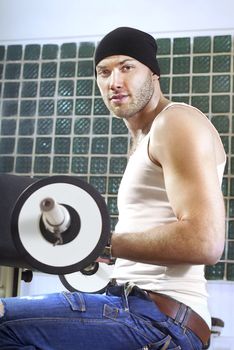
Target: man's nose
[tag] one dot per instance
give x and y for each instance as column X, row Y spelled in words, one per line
column 116, row 80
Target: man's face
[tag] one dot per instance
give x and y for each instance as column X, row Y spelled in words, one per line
column 126, row 85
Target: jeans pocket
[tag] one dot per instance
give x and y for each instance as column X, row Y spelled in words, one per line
column 75, row 300
column 164, row 344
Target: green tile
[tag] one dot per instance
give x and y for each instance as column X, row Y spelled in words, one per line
column 164, row 46
column 46, row 107
column 113, row 184
column 83, row 106
column 84, row 87
column 181, row 46
column 2, row 52
column 1, row 71
column 180, row 85
column 100, row 107
column 201, row 102
column 181, row 65
column 42, row 165
column 215, row 272
column 85, row 69
column 230, row 250
column 99, row 183
column 231, row 229
column 232, row 166
column 14, row 52
column 8, row 127
column 43, row 145
column 47, row 88
column 112, row 205
column 119, row 145
column 183, row 99
column 25, row 145
column 113, row 223
column 7, row 145
column 11, row 90
column 49, row 51
column 68, row 50
column 96, row 89
column 200, row 84
column 117, row 165
column 32, row 52
column 12, row 71
column 220, row 103
column 61, row 164
column 165, row 84
column 67, row 69
column 225, row 186
column 66, row 88
column 100, row 145
column 30, row 70
column 86, row 49
column 202, row 44
column 63, row 126
column 232, row 186
column 221, row 63
column 45, row 126
column 65, row 107
column 23, row 164
column 98, row 165
column 9, row 108
column 80, row 145
column 6, row 164
column 230, row 272
column 222, row 43
column 221, row 123
column 29, row 89
column 101, row 125
column 221, row 83
column 27, row 108
column 232, row 144
column 26, row 126
column 225, row 141
column 82, row 126
column 201, row 64
column 62, row 145
column 165, row 65
column 49, row 70
column 118, row 127
column 231, row 208
column 79, row 165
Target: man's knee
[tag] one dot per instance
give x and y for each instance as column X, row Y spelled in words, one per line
column 1, row 309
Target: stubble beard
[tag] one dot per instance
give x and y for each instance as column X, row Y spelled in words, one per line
column 137, row 104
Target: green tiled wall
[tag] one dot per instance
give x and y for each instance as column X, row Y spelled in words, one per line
column 53, row 120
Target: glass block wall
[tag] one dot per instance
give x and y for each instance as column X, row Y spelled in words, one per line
column 53, row 120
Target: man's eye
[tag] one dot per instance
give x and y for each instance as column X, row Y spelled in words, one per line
column 104, row 73
column 126, row 68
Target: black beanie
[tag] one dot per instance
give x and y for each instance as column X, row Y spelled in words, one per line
column 129, row 42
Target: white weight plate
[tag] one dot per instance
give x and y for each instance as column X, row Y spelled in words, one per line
column 91, row 237
column 96, row 283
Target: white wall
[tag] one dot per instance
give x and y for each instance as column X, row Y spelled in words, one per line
column 65, row 19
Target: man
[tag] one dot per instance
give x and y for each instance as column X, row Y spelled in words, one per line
column 171, row 223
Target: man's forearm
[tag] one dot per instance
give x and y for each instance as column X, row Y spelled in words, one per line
column 176, row 243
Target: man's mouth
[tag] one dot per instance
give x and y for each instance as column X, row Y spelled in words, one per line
column 118, row 98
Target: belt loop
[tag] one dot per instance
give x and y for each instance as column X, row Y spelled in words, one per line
column 186, row 316
column 181, row 314
column 127, row 288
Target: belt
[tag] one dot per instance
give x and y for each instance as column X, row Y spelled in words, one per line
column 182, row 314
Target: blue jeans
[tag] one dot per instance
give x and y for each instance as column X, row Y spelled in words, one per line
column 122, row 319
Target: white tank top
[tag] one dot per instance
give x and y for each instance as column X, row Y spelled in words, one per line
column 143, row 204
